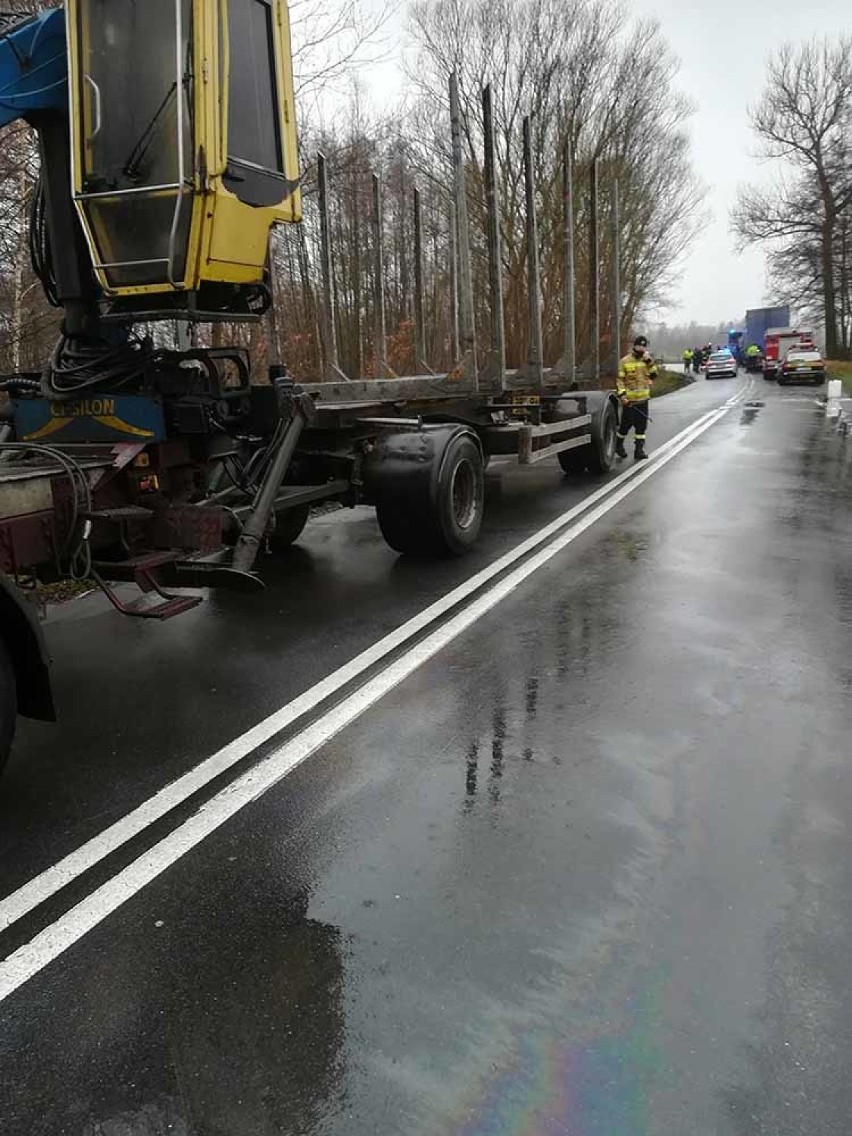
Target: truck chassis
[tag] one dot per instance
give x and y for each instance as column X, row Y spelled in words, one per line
column 196, row 511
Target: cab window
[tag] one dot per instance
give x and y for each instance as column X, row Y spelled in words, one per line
column 255, row 171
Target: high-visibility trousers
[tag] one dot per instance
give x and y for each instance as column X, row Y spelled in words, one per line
column 634, row 416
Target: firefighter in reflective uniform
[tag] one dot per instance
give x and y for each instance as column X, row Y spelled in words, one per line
column 687, row 360
column 636, row 373
column 752, row 358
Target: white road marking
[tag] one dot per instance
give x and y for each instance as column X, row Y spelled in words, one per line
column 29, row 959
column 47, row 883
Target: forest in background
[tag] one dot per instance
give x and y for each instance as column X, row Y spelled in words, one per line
column 572, row 68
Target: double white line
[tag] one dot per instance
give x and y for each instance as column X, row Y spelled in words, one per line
column 529, row 556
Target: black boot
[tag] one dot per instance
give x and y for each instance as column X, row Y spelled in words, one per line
column 639, row 450
column 620, row 451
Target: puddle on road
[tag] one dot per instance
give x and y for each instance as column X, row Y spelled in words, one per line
column 750, row 412
column 627, row 544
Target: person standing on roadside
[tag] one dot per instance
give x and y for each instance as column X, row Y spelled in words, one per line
column 636, row 374
column 687, row 360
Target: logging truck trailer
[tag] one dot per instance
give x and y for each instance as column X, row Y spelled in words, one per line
column 166, row 132
column 229, row 481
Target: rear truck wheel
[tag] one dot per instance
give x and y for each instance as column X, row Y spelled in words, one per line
column 428, row 487
column 24, row 666
column 572, row 462
column 288, row 528
column 8, row 705
column 598, row 456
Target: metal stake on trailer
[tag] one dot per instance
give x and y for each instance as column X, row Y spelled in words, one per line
column 465, row 369
column 454, row 284
column 532, row 374
column 594, row 273
column 381, row 370
column 567, row 365
column 329, row 315
column 420, row 364
column 616, row 280
column 494, row 371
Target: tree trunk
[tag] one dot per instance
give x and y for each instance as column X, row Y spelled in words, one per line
column 827, row 266
column 829, row 297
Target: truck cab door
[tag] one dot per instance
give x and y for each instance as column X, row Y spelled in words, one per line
column 132, row 118
column 184, row 150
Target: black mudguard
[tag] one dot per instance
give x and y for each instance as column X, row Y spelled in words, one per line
column 404, row 467
column 24, row 641
column 585, row 402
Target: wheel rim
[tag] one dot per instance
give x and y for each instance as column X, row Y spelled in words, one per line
column 609, row 438
column 464, row 495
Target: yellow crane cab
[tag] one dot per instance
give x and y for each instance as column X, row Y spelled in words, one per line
column 184, row 150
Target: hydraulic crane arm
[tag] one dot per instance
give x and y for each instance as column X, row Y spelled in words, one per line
column 34, row 87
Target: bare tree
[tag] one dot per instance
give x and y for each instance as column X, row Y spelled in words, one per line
column 574, row 68
column 331, row 42
column 803, row 120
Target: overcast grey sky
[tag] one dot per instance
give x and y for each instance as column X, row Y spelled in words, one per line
column 723, row 47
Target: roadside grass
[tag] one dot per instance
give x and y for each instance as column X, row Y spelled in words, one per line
column 668, row 381
column 665, row 383
column 840, row 369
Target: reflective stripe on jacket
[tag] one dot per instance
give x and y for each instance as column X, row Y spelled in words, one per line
column 635, row 377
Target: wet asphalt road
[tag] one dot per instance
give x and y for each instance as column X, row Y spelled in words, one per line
column 585, row 871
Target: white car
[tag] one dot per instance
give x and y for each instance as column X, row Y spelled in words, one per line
column 721, row 365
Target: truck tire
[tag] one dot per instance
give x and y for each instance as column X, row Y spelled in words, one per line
column 598, row 456
column 8, row 705
column 288, row 528
column 448, row 520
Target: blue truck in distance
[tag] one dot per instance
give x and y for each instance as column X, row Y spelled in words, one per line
column 759, row 320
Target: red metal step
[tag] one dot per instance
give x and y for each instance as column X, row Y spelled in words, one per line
column 165, row 609
column 135, row 566
column 141, row 571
